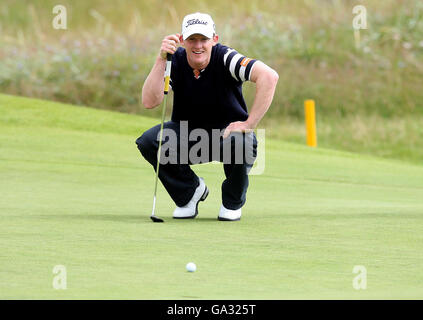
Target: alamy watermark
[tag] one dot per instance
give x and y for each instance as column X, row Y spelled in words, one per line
column 60, row 278
column 360, row 281
column 360, row 20
column 184, row 146
column 60, row 20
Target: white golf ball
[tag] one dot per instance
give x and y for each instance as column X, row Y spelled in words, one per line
column 191, row 267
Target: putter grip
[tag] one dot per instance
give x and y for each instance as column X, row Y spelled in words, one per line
column 167, row 72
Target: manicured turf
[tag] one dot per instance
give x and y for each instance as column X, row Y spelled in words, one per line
column 76, row 192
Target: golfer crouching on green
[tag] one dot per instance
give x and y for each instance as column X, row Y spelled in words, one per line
column 206, row 79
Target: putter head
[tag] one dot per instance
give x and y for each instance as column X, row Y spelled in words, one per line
column 156, row 219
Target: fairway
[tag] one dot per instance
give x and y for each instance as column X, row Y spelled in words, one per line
column 76, row 192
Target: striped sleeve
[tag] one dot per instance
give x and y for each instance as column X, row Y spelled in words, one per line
column 238, row 65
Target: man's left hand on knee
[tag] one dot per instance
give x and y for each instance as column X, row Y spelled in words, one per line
column 237, row 126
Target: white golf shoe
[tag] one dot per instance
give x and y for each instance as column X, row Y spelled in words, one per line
column 190, row 210
column 228, row 214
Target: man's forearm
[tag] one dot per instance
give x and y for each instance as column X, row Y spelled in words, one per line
column 152, row 90
column 265, row 89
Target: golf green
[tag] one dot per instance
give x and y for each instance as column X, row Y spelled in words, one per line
column 76, row 192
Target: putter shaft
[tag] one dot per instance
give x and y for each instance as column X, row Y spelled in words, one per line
column 164, row 104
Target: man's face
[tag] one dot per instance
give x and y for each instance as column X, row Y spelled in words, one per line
column 198, row 49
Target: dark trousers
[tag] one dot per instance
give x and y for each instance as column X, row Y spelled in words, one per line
column 179, row 179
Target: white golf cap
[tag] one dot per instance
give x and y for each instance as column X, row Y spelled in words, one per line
column 200, row 23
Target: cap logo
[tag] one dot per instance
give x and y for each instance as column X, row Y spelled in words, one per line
column 195, row 21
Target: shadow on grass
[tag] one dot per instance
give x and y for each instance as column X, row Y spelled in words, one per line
column 119, row 218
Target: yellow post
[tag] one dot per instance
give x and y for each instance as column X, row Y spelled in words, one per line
column 310, row 121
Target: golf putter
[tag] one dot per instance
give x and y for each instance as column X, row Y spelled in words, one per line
column 166, row 90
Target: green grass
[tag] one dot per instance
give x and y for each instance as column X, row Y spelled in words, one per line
column 398, row 138
column 76, row 192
